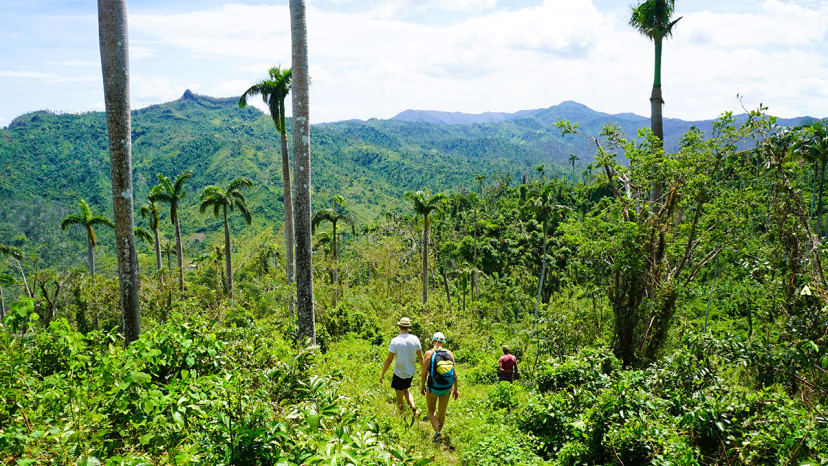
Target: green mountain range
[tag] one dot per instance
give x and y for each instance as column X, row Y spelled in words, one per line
column 52, row 161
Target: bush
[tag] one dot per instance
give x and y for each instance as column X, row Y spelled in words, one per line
column 497, row 446
column 590, row 369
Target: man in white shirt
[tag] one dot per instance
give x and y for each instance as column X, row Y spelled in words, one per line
column 408, row 351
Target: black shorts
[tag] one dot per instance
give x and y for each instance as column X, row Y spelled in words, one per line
column 401, row 384
column 503, row 376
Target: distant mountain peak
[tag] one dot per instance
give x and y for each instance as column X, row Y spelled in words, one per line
column 188, row 95
column 458, row 118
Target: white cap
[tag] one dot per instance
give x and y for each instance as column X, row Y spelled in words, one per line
column 439, row 337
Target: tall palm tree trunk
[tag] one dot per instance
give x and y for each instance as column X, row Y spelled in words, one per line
column 474, row 265
column 540, row 280
column 445, row 284
column 228, row 255
column 302, row 172
column 113, row 37
column 288, row 195
column 90, row 257
column 656, row 121
column 158, row 263
column 425, row 262
column 179, row 254
column 819, row 197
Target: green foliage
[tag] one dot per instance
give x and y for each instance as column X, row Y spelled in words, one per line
column 725, row 361
column 499, row 446
column 186, row 391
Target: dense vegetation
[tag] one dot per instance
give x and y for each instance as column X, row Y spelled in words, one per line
column 688, row 329
column 53, row 161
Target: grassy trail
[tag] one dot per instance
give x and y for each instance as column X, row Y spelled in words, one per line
column 359, row 364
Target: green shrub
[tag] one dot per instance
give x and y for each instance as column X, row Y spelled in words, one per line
column 497, row 446
column 552, row 420
column 590, row 369
column 504, row 396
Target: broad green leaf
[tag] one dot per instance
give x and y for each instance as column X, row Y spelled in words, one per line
column 140, row 377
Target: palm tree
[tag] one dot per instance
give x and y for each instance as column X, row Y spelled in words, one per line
column 16, row 254
column 302, row 171
column 541, row 204
column 88, row 221
column 424, row 204
column 222, row 200
column 114, row 45
column 213, row 258
column 273, row 92
column 572, row 159
column 653, row 19
column 813, row 146
column 172, row 193
column 334, row 216
column 168, row 249
column 150, row 212
column 144, row 235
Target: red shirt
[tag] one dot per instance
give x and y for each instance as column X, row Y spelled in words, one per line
column 507, row 362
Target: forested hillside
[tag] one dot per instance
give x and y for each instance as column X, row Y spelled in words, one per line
column 53, row 161
column 687, row 328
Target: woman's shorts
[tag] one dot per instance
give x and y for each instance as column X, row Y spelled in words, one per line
column 439, row 392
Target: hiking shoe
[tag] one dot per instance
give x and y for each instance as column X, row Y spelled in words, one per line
column 437, row 437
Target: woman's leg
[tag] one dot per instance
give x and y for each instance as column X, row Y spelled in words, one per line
column 441, row 411
column 431, row 400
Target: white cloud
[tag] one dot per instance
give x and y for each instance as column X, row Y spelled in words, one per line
column 148, row 90
column 232, row 30
column 80, row 63
column 375, row 58
column 27, row 75
column 774, row 24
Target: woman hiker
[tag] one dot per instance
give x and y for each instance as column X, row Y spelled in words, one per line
column 439, row 377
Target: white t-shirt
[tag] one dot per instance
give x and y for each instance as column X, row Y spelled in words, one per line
column 405, row 346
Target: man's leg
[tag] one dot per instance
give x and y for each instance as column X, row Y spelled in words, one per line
column 410, row 398
column 401, row 400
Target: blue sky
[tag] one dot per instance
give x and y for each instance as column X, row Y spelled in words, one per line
column 376, row 58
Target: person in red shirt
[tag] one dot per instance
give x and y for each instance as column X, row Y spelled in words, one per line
column 507, row 366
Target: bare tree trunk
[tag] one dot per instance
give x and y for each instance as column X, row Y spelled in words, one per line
column 114, row 44
column 474, row 269
column 288, row 196
column 90, row 257
column 25, row 282
column 157, row 250
column 179, row 251
column 302, row 172
column 446, row 285
column 540, row 280
column 657, row 125
column 819, row 232
column 425, row 260
column 228, row 255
